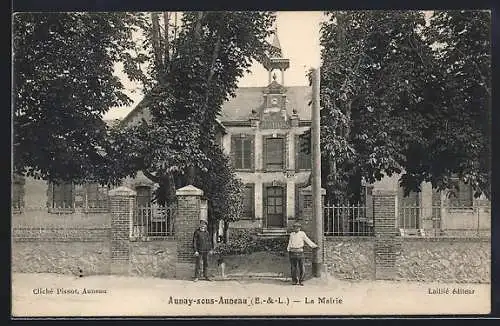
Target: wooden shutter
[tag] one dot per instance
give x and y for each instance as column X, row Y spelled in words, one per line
column 286, row 164
column 244, row 153
column 264, row 203
column 284, row 200
column 249, row 201
column 297, row 152
column 252, row 152
column 298, row 212
column 252, row 200
column 303, row 159
column 264, row 152
column 308, row 155
column 233, row 150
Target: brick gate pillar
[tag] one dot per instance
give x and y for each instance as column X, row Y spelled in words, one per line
column 386, row 240
column 186, row 221
column 122, row 201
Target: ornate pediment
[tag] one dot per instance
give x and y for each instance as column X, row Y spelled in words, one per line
column 275, row 88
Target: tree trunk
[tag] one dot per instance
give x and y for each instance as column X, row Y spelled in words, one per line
column 190, row 174
column 225, row 236
column 197, row 29
column 155, row 31
column 166, row 22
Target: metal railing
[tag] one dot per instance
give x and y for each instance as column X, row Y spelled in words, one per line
column 444, row 221
column 153, row 221
column 347, row 220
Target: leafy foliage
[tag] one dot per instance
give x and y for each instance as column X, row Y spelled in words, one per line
column 245, row 243
column 200, row 70
column 391, row 106
column 63, row 84
column 462, row 138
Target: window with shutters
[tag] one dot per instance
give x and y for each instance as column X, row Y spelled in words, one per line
column 303, row 152
column 248, row 202
column 299, row 200
column 61, row 197
column 463, row 197
column 242, row 152
column 409, row 209
column 96, row 197
column 274, row 154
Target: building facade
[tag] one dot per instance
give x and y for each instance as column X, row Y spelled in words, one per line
column 263, row 130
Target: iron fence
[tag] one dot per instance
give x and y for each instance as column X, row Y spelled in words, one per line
column 348, row 220
column 153, row 221
column 443, row 221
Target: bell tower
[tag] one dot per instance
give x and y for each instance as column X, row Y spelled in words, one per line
column 276, row 60
column 274, row 113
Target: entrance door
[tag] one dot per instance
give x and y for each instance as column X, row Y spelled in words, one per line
column 275, row 207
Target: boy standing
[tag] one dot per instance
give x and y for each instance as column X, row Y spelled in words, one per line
column 202, row 246
column 296, row 251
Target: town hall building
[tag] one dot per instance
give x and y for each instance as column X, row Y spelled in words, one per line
column 263, row 130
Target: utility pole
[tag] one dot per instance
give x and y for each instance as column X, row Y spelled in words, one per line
column 317, row 207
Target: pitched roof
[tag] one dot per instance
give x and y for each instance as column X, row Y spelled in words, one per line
column 240, row 107
column 247, row 99
column 276, row 44
column 111, row 122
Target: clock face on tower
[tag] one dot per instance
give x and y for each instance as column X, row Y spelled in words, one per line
column 274, row 101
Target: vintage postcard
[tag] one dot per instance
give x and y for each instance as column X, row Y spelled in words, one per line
column 177, row 164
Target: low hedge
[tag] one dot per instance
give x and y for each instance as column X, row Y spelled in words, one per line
column 247, row 243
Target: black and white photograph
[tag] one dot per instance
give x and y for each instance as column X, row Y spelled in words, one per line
column 251, row 163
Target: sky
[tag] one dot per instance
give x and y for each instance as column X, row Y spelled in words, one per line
column 298, row 33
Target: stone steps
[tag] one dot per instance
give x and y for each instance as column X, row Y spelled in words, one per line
column 273, row 233
column 255, row 276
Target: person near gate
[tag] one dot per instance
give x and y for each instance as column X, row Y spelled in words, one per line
column 202, row 246
column 295, row 249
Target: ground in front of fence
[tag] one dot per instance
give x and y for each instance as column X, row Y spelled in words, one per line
column 135, row 296
column 257, row 264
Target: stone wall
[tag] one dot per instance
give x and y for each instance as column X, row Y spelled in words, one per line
column 58, row 250
column 445, row 260
column 153, row 258
column 64, row 257
column 350, row 258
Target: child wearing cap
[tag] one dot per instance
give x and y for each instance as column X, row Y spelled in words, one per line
column 295, row 249
column 202, row 246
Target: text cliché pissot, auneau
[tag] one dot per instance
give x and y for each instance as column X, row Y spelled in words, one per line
column 68, row 291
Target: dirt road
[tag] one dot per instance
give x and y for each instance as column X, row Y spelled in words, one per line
column 63, row 295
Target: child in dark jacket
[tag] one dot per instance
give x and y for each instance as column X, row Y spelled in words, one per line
column 202, row 246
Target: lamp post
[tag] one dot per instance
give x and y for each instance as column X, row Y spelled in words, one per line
column 317, row 207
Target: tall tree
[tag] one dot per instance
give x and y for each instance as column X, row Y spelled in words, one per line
column 400, row 97
column 63, row 83
column 461, row 143
column 199, row 71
